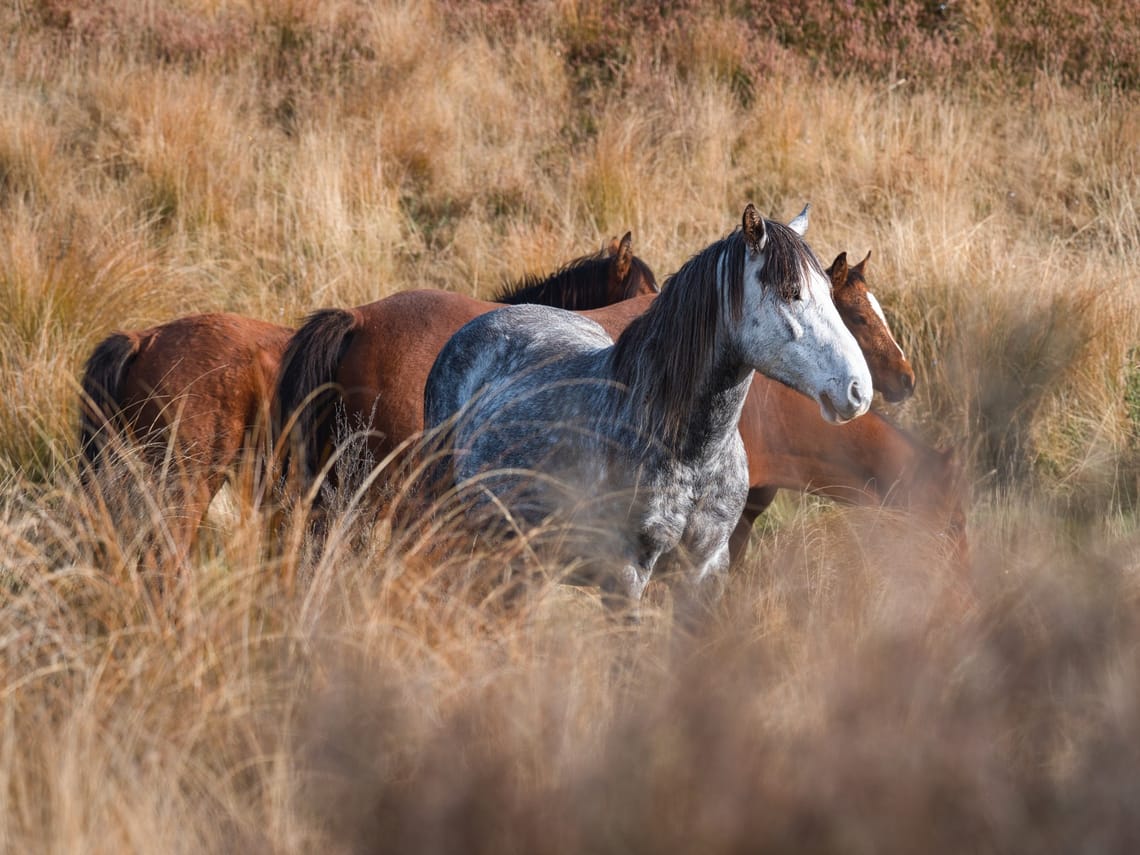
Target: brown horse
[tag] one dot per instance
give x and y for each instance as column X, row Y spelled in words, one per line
column 863, row 315
column 190, row 395
column 378, row 356
column 194, row 394
column 373, row 360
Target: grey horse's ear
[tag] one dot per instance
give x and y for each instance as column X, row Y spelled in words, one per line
column 800, row 224
column 755, row 235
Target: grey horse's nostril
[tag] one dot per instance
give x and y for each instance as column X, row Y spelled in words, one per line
column 855, row 393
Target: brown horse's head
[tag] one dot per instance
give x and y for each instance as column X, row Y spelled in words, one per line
column 861, row 312
column 629, row 276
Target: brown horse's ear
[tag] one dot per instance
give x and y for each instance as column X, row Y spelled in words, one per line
column 755, row 234
column 838, row 271
column 624, row 256
column 612, row 247
column 858, row 268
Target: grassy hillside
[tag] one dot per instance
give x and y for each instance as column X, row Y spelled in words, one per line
column 854, row 692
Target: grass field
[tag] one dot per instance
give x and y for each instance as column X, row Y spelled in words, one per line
column 853, row 692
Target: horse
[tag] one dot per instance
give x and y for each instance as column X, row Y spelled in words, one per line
column 191, row 395
column 195, row 394
column 863, row 315
column 377, row 357
column 370, row 362
column 869, row 461
column 636, row 440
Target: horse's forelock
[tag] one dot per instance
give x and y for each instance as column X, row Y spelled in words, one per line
column 788, row 260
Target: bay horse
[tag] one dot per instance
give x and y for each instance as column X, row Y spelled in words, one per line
column 636, row 441
column 195, row 393
column 190, row 395
column 863, row 315
column 869, row 461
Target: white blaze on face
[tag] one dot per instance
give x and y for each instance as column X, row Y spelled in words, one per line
column 879, row 311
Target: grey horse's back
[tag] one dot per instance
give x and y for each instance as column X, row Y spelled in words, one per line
column 499, row 346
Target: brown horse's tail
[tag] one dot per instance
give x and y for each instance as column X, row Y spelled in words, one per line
column 100, row 407
column 306, row 398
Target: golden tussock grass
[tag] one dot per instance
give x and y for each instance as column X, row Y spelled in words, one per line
column 854, row 690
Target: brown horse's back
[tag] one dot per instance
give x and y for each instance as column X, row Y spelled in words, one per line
column 375, row 360
column 405, row 333
column 614, row 319
column 387, row 366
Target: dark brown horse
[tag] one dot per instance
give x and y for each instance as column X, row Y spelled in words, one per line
column 372, row 360
column 194, row 393
column 377, row 358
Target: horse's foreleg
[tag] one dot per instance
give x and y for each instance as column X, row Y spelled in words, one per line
column 621, row 591
column 697, row 591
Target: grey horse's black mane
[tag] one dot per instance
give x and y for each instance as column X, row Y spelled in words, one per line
column 664, row 355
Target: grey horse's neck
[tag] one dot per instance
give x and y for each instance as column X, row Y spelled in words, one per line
column 684, row 377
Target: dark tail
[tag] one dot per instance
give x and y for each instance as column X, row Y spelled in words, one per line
column 100, row 412
column 305, row 394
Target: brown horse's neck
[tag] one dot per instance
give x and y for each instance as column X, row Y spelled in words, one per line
column 868, row 460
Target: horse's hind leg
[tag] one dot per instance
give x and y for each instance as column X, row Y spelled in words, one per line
column 187, row 505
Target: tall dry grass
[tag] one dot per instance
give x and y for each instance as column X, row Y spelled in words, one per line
column 852, row 692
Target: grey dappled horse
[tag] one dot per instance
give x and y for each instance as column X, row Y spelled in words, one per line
column 633, row 446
